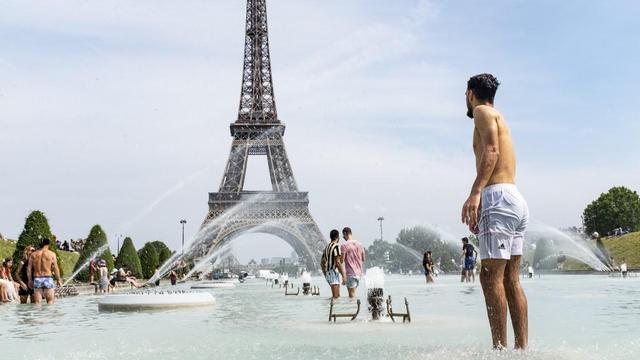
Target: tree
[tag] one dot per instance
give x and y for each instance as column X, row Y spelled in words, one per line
column 96, row 245
column 148, row 260
column 163, row 251
column 618, row 207
column 36, row 228
column 128, row 258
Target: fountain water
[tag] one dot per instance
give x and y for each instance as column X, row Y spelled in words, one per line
column 93, row 256
column 172, row 190
column 569, row 245
column 204, row 233
column 306, row 283
column 374, row 281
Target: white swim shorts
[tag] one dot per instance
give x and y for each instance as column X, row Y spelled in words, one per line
column 504, row 217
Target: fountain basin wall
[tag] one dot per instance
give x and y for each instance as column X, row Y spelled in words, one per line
column 153, row 301
column 214, row 285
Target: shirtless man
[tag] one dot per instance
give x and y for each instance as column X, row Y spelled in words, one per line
column 497, row 212
column 42, row 264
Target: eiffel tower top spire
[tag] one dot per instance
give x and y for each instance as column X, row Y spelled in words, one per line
column 257, row 102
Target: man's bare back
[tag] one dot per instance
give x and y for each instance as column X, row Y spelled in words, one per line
column 44, row 261
column 486, row 118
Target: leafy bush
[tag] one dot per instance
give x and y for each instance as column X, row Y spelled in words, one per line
column 96, row 239
column 128, row 258
column 149, row 260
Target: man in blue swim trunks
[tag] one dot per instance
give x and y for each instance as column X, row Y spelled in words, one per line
column 43, row 264
column 470, row 255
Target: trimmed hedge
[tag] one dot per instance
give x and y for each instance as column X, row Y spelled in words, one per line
column 128, row 258
column 96, row 239
column 36, row 228
column 149, row 260
column 163, row 251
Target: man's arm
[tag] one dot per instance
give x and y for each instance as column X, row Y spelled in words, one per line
column 341, row 269
column 487, row 128
column 30, row 269
column 56, row 271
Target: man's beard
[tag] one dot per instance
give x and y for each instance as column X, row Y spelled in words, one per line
column 469, row 112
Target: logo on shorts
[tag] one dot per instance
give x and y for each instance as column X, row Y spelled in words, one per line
column 501, row 247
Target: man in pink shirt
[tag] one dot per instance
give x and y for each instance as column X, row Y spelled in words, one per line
column 353, row 255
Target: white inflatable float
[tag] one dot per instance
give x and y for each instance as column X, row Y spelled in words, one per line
column 154, row 300
column 214, row 285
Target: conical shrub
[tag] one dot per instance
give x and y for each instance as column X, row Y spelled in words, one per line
column 149, row 260
column 128, row 258
column 96, row 239
column 163, row 251
column 36, row 228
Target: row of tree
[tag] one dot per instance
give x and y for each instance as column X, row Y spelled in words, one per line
column 141, row 263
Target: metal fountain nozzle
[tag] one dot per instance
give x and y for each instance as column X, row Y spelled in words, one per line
column 375, row 300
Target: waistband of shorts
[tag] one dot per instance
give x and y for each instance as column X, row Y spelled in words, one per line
column 499, row 187
column 43, row 276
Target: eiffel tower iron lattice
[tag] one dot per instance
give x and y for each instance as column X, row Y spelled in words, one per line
column 284, row 211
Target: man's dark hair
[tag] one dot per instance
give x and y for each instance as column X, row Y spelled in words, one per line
column 334, row 234
column 465, row 240
column 484, row 86
column 44, row 242
column 429, row 252
column 347, row 230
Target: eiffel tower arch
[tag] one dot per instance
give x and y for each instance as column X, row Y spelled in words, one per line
column 283, row 211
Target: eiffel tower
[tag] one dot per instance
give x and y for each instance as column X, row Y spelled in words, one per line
column 284, row 211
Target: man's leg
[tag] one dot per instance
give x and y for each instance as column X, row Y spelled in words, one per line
column 49, row 295
column 335, row 291
column 517, row 302
column 37, row 296
column 491, row 279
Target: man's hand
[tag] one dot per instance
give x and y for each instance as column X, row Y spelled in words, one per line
column 58, row 283
column 31, row 284
column 471, row 212
column 23, row 286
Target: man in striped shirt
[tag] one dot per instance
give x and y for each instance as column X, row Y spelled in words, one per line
column 332, row 264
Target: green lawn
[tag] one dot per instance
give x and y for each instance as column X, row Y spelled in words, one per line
column 626, row 246
column 67, row 259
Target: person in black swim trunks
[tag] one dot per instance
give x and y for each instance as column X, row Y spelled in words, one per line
column 427, row 263
column 470, row 255
column 21, row 276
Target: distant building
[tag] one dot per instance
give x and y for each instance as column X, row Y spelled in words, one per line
column 265, row 261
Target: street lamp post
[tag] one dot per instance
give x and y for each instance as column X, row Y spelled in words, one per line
column 380, row 219
column 183, row 222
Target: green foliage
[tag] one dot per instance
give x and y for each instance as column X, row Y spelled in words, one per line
column 96, row 239
column 149, row 260
column 163, row 251
column 618, row 207
column 128, row 258
column 625, row 247
column 36, row 228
